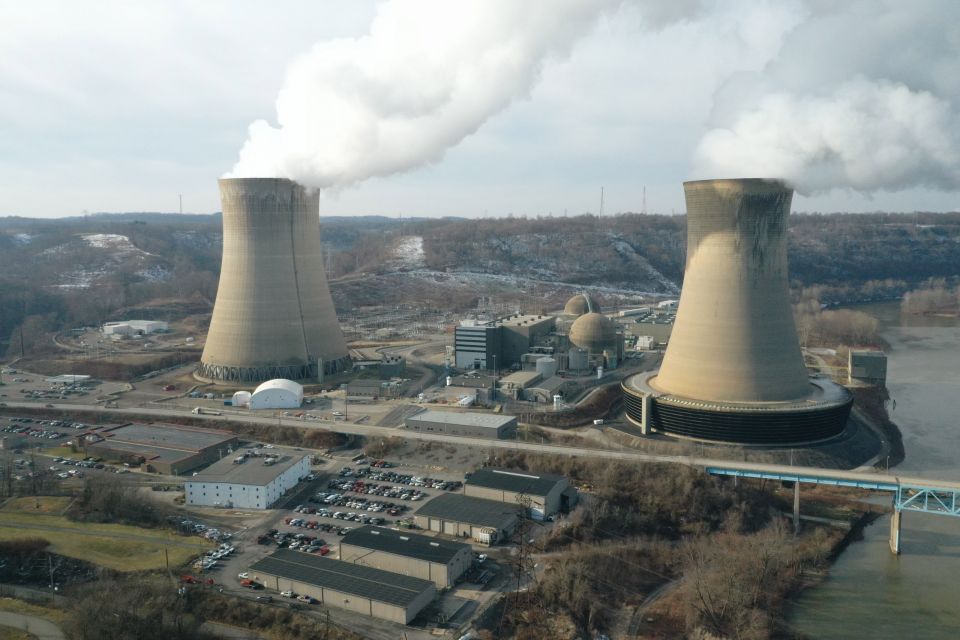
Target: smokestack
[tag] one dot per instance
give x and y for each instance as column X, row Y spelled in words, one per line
column 274, row 316
column 733, row 369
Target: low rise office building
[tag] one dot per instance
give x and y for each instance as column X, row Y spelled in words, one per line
column 244, row 482
column 485, row 521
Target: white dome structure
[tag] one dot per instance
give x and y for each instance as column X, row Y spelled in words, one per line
column 241, row 399
column 278, row 393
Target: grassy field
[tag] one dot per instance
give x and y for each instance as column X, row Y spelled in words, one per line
column 115, row 546
column 58, row 616
column 7, row 633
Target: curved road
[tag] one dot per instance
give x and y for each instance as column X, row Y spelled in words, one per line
column 40, row 627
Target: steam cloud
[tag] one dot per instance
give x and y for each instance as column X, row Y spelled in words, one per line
column 863, row 95
column 429, row 73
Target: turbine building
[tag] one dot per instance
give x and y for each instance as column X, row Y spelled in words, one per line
column 733, row 370
column 274, row 316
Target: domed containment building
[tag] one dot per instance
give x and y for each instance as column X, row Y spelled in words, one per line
column 274, row 317
column 580, row 304
column 597, row 334
column 733, row 370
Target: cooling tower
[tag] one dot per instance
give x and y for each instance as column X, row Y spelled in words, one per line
column 733, row 369
column 274, row 317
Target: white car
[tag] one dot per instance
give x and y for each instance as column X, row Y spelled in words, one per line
column 288, row 594
column 243, row 576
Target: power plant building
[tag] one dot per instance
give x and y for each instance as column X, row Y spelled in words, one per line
column 346, row 585
column 274, row 316
column 733, row 370
column 435, row 559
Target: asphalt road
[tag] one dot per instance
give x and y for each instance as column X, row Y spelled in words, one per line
column 374, row 430
column 40, row 627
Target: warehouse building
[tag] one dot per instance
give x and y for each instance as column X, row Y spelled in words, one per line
column 475, row 425
column 485, row 521
column 133, row 327
column 244, row 482
column 410, row 554
column 345, row 585
column 547, row 493
column 166, row 449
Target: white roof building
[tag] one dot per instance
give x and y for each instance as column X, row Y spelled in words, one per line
column 277, row 394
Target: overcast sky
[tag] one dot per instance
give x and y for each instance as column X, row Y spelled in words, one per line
column 122, row 106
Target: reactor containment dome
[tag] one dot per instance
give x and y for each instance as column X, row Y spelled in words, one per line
column 273, row 317
column 733, row 370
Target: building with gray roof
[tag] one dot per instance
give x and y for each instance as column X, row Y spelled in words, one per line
column 544, row 493
column 246, row 482
column 466, row 423
column 345, row 585
column 485, row 521
column 161, row 448
column 441, row 561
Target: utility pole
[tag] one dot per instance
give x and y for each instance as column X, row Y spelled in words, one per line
column 601, row 202
column 181, row 204
column 643, row 210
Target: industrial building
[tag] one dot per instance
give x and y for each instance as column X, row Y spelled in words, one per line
column 276, row 394
column 273, row 316
column 440, row 561
column 485, row 521
column 733, row 370
column 580, row 304
column 868, row 366
column 167, row 449
column 544, row 493
column 499, row 344
column 477, row 345
column 133, row 327
column 246, row 482
column 345, row 585
column 475, row 425
column 600, row 337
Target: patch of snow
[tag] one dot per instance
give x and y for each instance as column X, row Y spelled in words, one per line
column 115, row 242
column 156, row 273
column 22, row 238
column 408, row 253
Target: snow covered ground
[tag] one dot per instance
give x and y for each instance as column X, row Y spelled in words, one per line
column 408, row 253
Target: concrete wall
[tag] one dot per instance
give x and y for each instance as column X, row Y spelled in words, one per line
column 273, row 317
column 443, row 575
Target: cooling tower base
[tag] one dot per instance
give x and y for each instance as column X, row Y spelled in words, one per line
column 820, row 417
column 247, row 375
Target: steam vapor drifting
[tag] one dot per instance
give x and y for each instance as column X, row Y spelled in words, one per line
column 862, row 95
column 429, row 73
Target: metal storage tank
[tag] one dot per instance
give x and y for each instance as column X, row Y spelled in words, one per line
column 578, row 359
column 273, row 317
column 733, row 369
column 546, row 367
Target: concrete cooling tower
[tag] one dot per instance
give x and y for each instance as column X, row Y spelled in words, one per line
column 274, row 317
column 733, row 370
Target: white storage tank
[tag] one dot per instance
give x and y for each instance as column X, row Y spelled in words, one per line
column 546, row 367
column 241, row 399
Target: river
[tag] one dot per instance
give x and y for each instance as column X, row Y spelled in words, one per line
column 871, row 593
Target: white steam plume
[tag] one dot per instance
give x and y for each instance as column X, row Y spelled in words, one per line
column 429, row 73
column 863, row 95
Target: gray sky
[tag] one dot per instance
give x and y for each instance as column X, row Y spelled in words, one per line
column 119, row 106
